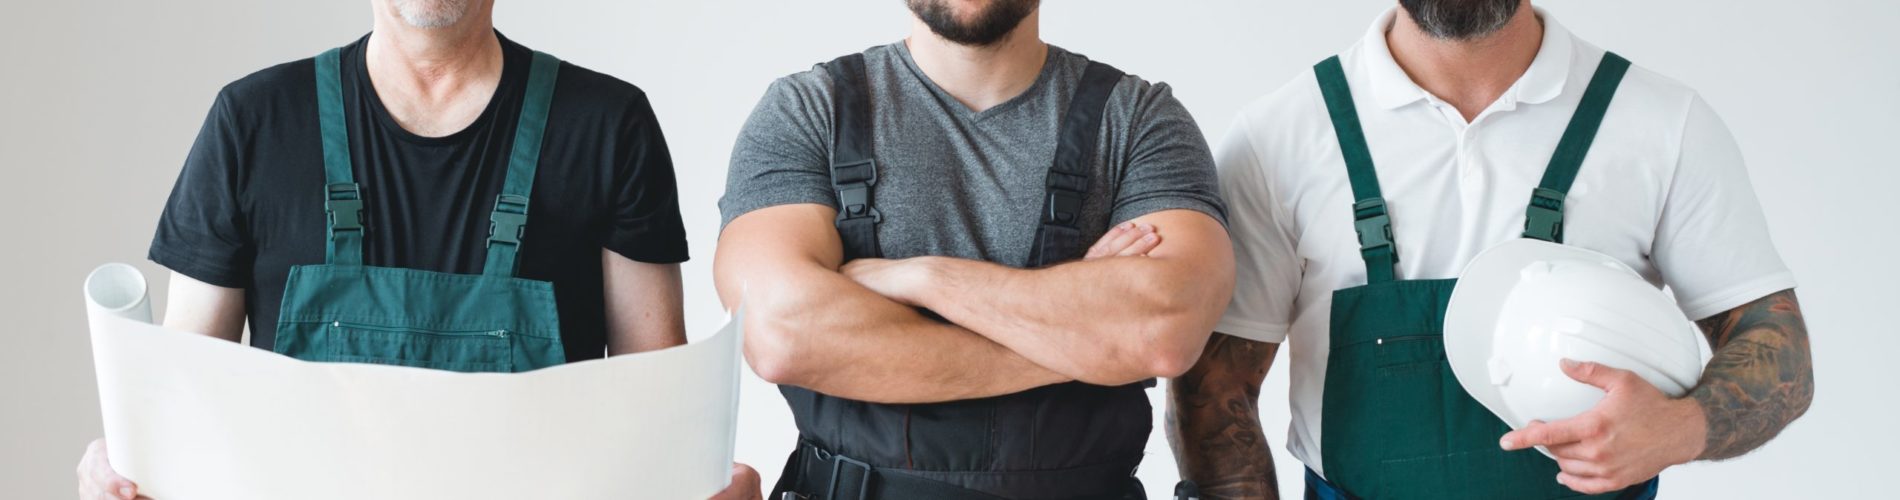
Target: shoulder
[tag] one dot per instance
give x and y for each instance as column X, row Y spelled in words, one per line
column 1645, row 99
column 287, row 84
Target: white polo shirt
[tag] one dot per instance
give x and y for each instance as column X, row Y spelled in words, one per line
column 1663, row 189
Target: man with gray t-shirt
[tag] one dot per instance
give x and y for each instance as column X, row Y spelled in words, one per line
column 909, row 231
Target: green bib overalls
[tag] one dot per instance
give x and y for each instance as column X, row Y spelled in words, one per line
column 343, row 310
column 1394, row 421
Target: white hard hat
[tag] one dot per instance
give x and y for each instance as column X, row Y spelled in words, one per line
column 1523, row 306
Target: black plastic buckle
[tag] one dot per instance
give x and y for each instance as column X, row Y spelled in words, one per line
column 853, row 182
column 1544, row 219
column 509, row 222
column 1066, row 192
column 343, row 203
column 837, row 461
column 1373, row 225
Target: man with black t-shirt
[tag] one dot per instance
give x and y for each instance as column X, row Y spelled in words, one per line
column 475, row 180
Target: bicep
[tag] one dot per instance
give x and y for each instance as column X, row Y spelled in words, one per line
column 644, row 304
column 764, row 244
column 199, row 307
column 1192, row 241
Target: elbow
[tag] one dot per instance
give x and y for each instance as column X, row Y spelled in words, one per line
column 1179, row 325
column 771, row 345
column 1175, row 351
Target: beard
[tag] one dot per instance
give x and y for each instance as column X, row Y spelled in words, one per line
column 995, row 21
column 430, row 14
column 1460, row 20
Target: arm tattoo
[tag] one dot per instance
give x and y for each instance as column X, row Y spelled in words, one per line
column 1214, row 421
column 1761, row 377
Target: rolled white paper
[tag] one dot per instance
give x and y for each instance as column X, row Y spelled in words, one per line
column 117, row 289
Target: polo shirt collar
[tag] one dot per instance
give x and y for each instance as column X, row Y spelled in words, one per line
column 1544, row 81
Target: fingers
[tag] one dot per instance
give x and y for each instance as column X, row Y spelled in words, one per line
column 97, row 480
column 743, row 486
column 1596, row 374
column 1552, row 433
column 1142, row 246
column 1588, row 485
column 1117, row 239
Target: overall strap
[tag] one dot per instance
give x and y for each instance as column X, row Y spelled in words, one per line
column 508, row 224
column 1544, row 220
column 1059, row 237
column 1369, row 216
column 853, row 170
column 342, row 198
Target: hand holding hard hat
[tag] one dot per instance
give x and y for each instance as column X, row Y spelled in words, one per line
column 1582, row 356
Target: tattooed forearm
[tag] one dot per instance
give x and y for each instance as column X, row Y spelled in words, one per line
column 1761, row 377
column 1214, row 421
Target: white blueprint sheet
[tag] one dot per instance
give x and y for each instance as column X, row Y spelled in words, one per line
column 196, row 418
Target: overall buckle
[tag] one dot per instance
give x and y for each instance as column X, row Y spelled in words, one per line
column 509, row 222
column 837, row 464
column 1544, row 219
column 1374, row 226
column 343, row 204
column 1065, row 197
column 854, row 182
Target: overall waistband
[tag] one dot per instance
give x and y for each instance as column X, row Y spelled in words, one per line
column 1318, row 489
column 815, row 473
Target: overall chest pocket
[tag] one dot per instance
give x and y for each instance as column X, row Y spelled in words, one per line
column 443, row 349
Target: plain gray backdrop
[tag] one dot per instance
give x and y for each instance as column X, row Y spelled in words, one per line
column 99, row 102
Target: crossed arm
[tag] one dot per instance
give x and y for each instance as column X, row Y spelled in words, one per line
column 858, row 333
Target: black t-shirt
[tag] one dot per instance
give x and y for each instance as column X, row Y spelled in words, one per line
column 249, row 203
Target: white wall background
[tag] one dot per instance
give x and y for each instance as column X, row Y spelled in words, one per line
column 99, row 102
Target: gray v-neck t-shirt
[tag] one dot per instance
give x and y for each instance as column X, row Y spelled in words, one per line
column 959, row 183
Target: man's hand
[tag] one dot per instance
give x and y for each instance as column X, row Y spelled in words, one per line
column 744, row 485
column 97, row 480
column 1634, row 433
column 892, row 278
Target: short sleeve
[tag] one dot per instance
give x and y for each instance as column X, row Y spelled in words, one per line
column 646, row 226
column 1267, row 270
column 1712, row 245
column 1169, row 166
column 783, row 153
column 202, row 233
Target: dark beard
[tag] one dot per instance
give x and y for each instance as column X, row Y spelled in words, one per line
column 989, row 27
column 1460, row 20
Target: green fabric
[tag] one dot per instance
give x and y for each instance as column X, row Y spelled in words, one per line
column 510, row 217
column 345, row 311
column 1544, row 218
column 1394, row 422
column 1370, row 220
column 343, row 203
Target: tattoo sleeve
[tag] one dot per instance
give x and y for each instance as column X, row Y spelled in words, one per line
column 1214, row 421
column 1761, row 377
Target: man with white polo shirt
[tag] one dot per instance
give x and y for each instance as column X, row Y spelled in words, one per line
column 1486, row 121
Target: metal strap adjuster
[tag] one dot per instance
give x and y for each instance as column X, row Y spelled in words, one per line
column 343, row 204
column 1544, row 219
column 1374, row 226
column 837, row 465
column 509, row 222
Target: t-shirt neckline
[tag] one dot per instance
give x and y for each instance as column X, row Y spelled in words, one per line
column 360, row 67
column 964, row 112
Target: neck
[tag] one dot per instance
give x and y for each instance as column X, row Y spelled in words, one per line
column 430, row 78
column 1468, row 74
column 981, row 77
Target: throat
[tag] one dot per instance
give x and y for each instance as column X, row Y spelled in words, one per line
column 438, row 93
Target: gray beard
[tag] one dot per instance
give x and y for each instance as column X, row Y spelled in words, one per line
column 431, row 14
column 1461, row 20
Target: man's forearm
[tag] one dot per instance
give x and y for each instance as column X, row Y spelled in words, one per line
column 1105, row 321
column 1214, row 421
column 1761, row 377
column 828, row 334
